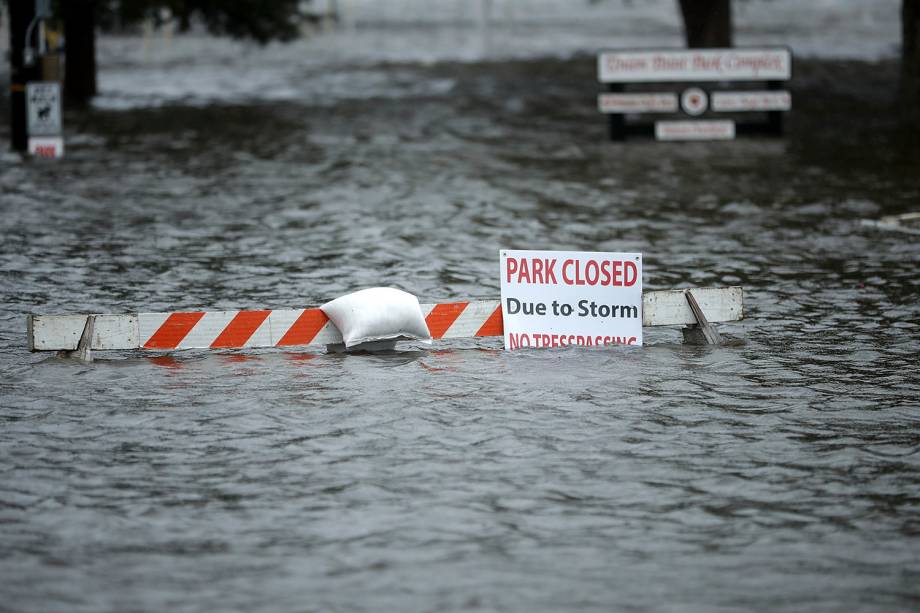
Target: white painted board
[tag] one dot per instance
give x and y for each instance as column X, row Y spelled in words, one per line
column 51, row 147
column 668, row 65
column 670, row 307
column 637, row 103
column 739, row 101
column 716, row 129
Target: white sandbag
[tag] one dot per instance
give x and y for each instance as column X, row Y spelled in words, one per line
column 377, row 314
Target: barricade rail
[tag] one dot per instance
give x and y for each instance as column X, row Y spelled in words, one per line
column 307, row 327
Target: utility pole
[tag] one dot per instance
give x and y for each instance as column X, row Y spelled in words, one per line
column 707, row 23
column 80, row 34
column 910, row 61
column 22, row 14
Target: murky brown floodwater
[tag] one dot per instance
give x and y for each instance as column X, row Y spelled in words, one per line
column 780, row 472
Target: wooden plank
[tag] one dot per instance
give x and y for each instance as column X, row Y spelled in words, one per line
column 670, row 307
column 84, row 351
column 115, row 332
column 475, row 318
column 710, row 335
column 56, row 332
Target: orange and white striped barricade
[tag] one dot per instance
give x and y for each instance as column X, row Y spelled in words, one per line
column 288, row 328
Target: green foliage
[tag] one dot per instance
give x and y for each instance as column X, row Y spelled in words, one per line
column 260, row 20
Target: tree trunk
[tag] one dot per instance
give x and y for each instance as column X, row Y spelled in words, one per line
column 80, row 58
column 910, row 60
column 707, row 23
column 21, row 14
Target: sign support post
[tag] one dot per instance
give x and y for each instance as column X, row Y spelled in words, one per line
column 617, row 121
column 775, row 118
column 702, row 332
column 21, row 14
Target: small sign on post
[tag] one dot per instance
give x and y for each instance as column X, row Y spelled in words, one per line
column 43, row 110
column 695, row 113
column 565, row 298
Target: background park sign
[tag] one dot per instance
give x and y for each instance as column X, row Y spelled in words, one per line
column 43, row 111
column 697, row 112
column 563, row 298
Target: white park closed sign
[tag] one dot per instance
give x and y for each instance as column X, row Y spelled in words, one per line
column 564, row 298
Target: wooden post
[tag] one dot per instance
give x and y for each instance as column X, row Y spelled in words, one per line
column 616, row 121
column 21, row 14
column 701, row 333
column 84, row 352
column 80, row 52
column 775, row 118
column 707, row 23
column 910, row 61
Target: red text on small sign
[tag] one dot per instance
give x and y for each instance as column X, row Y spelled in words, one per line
column 542, row 271
column 540, row 340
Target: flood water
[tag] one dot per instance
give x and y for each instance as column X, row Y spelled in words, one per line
column 779, row 472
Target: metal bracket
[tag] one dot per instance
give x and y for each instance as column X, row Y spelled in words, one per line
column 701, row 333
column 84, row 351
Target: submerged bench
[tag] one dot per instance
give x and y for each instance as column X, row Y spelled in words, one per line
column 79, row 335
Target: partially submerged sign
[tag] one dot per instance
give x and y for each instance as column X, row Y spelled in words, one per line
column 43, row 110
column 289, row 328
column 715, row 68
column 695, row 130
column 46, row 146
column 563, row 298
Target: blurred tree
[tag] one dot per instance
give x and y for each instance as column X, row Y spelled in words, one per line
column 259, row 20
column 707, row 23
column 80, row 50
column 910, row 60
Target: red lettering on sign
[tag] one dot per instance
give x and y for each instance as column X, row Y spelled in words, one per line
column 630, row 267
column 542, row 341
column 550, row 268
column 536, row 271
column 615, row 273
column 565, row 274
column 537, row 268
column 516, row 341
